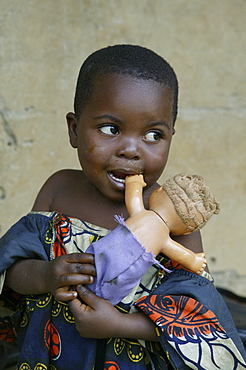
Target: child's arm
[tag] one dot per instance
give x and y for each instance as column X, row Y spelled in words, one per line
column 97, row 318
column 56, row 276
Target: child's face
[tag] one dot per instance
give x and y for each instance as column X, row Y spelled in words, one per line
column 125, row 129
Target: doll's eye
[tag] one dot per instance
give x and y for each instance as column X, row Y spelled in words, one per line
column 153, row 136
column 109, row 130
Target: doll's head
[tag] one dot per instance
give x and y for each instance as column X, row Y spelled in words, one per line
column 191, row 198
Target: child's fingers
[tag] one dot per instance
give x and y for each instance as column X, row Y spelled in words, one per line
column 77, row 307
column 75, row 263
column 87, row 296
column 66, row 280
column 79, row 268
column 80, row 258
column 64, row 295
column 94, row 317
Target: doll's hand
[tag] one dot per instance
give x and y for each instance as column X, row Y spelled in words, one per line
column 97, row 318
column 66, row 271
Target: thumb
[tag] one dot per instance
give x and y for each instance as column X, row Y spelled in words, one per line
column 78, row 306
column 87, row 296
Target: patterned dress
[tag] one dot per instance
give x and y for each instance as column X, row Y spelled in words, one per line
column 194, row 325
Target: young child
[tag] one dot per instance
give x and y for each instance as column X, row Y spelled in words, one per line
column 125, row 110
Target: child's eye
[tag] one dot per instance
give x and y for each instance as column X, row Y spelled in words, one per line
column 153, row 136
column 109, row 129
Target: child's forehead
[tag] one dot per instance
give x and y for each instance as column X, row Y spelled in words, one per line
column 130, row 95
column 127, row 84
column 126, row 79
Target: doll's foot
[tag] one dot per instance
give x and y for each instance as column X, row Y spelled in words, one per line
column 136, row 179
column 200, row 263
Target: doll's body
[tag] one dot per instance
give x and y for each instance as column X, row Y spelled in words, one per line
column 153, row 227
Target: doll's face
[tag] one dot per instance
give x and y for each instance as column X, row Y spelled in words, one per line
column 125, row 129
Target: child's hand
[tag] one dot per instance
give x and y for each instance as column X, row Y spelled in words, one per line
column 66, row 271
column 94, row 316
column 97, row 318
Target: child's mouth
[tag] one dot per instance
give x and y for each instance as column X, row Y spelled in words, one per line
column 118, row 176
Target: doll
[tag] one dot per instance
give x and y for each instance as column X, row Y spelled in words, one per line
column 180, row 206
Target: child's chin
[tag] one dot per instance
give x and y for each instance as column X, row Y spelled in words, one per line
column 118, row 197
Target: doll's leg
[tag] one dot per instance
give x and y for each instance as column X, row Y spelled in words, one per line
column 133, row 194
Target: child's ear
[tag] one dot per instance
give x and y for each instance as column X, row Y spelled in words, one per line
column 72, row 125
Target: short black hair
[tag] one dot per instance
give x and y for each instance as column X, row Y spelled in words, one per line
column 123, row 59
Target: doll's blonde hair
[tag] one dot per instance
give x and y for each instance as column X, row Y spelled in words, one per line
column 189, row 194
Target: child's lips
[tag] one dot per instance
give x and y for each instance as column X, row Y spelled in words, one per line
column 119, row 176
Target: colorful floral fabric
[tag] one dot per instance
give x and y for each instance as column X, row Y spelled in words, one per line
column 179, row 307
column 45, row 327
column 194, row 326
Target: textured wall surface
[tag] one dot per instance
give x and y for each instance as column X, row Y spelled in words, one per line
column 42, row 45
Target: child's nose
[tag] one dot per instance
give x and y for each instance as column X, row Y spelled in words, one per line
column 129, row 149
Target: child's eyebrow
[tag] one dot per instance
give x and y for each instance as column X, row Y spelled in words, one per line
column 117, row 120
column 160, row 123
column 108, row 116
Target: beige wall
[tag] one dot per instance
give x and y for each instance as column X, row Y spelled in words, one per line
column 42, row 45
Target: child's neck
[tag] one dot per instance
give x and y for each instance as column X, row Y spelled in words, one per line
column 76, row 198
column 101, row 210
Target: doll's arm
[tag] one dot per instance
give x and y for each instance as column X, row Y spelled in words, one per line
column 195, row 262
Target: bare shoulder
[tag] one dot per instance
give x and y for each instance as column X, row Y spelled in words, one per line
column 54, row 186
